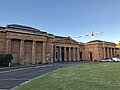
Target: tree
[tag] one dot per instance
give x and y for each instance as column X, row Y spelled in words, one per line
column 8, row 59
column 5, row 59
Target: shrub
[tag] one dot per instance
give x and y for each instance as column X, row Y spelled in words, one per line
column 1, row 59
column 8, row 58
column 5, row 60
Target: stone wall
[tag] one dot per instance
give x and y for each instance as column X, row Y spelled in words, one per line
column 28, row 52
column 2, row 42
column 15, row 50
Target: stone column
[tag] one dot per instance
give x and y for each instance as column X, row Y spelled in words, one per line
column 111, row 52
column 108, row 52
column 51, row 53
column 69, row 54
column 64, row 53
column 60, row 56
column 54, row 53
column 114, row 52
column 33, row 52
column 22, row 52
column 104, row 52
column 44, row 53
column 74, row 54
column 78, row 57
column 8, row 46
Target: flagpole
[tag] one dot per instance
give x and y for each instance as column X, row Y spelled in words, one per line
column 92, row 35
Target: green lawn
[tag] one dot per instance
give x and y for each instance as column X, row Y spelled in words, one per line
column 99, row 76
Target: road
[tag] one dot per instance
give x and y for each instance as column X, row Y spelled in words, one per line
column 14, row 77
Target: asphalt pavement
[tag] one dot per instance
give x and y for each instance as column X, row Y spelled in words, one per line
column 12, row 77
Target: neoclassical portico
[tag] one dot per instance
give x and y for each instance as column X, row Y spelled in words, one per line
column 32, row 51
column 66, row 53
column 109, row 52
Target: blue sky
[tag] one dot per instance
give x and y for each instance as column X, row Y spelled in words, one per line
column 65, row 17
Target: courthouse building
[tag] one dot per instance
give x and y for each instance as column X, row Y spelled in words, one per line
column 97, row 49
column 32, row 46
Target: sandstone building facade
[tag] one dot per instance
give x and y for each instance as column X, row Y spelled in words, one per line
column 96, row 50
column 32, row 46
column 118, row 50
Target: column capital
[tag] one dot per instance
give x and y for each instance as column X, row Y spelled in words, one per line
column 8, row 38
column 22, row 39
column 34, row 40
column 44, row 41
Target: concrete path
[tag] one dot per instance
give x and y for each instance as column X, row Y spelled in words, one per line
column 13, row 77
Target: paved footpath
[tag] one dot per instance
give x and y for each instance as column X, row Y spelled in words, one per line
column 13, row 77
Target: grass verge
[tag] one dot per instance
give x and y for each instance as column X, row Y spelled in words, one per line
column 99, row 76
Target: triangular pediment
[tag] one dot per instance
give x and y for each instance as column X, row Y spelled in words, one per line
column 65, row 41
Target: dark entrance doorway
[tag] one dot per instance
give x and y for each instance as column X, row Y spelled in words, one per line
column 80, row 55
column 91, row 56
column 62, row 53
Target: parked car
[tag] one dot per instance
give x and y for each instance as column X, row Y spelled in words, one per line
column 106, row 60
column 116, row 59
